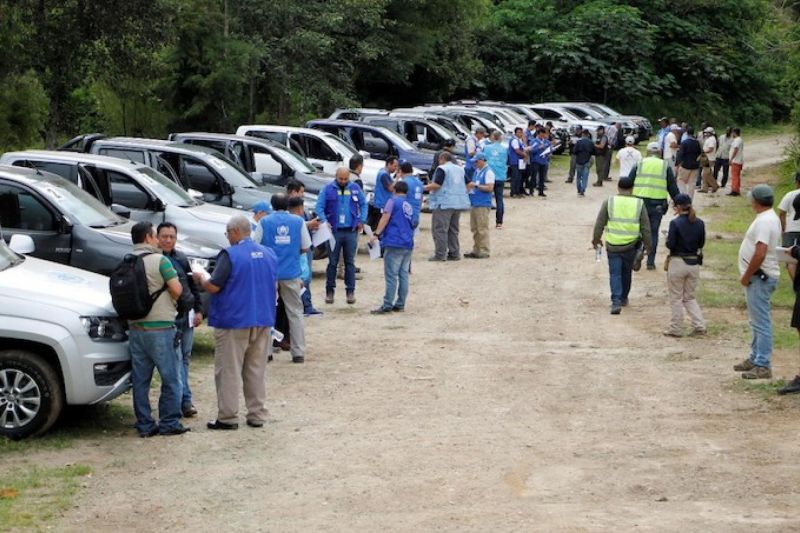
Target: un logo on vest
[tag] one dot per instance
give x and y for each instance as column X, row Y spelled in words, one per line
column 282, row 237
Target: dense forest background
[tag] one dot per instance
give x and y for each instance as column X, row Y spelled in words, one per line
column 147, row 67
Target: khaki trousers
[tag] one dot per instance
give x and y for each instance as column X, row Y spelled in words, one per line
column 682, row 282
column 290, row 291
column 686, row 180
column 240, row 362
column 479, row 224
column 708, row 180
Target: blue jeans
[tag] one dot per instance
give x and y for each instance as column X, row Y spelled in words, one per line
column 396, row 263
column 185, row 351
column 498, row 199
column 308, row 306
column 582, row 174
column 655, row 212
column 149, row 350
column 347, row 242
column 758, row 295
column 538, row 177
column 620, row 273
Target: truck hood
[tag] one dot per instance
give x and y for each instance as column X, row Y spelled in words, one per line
column 191, row 246
column 54, row 284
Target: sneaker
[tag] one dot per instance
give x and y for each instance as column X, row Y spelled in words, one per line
column 255, row 423
column 381, row 311
column 498, row 226
column 624, row 302
column 733, row 194
column 651, row 267
column 351, row 298
column 758, row 372
column 313, row 312
column 298, row 359
column 542, row 195
column 580, row 194
column 435, row 259
column 453, row 258
column 568, row 180
column 398, row 309
column 152, row 433
column 698, row 332
column 189, row 411
column 616, row 309
column 329, row 297
column 216, row 424
column 179, row 430
column 670, row 333
column 744, row 366
column 597, row 184
column 793, row 387
column 637, row 260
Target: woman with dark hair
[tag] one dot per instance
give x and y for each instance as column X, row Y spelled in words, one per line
column 685, row 241
column 722, row 161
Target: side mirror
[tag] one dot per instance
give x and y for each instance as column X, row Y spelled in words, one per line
column 227, row 188
column 194, row 193
column 339, row 157
column 121, row 210
column 22, row 244
column 158, row 205
column 318, row 166
column 365, row 154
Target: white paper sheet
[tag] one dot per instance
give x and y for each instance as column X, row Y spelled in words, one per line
column 322, row 235
column 783, row 255
column 374, row 250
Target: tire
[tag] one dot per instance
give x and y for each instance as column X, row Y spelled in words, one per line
column 39, row 382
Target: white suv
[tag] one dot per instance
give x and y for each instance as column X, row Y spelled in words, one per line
column 60, row 341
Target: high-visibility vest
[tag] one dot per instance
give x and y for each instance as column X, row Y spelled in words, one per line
column 651, row 179
column 623, row 226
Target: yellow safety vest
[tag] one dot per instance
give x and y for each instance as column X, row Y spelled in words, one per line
column 651, row 179
column 623, row 226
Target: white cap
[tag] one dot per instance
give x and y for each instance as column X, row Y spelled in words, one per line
column 629, row 139
column 674, row 127
column 708, row 130
column 653, row 147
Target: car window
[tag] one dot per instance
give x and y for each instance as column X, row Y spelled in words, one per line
column 315, row 148
column 66, row 171
column 231, row 172
column 20, row 209
column 266, row 163
column 164, row 188
column 295, row 160
column 391, row 124
column 125, row 191
column 546, row 113
column 122, row 153
column 199, row 176
column 277, row 136
column 396, row 139
column 344, row 148
column 375, row 144
column 78, row 205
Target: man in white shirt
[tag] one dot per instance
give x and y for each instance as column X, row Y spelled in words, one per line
column 736, row 159
column 628, row 157
column 789, row 214
column 758, row 266
column 671, row 147
column 710, row 151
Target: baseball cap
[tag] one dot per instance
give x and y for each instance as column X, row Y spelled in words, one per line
column 479, row 157
column 480, row 129
column 683, row 199
column 625, row 183
column 653, row 147
column 663, row 119
column 263, row 205
column 708, row 130
column 629, row 140
column 674, row 127
column 761, row 193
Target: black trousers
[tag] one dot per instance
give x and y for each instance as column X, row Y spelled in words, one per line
column 723, row 164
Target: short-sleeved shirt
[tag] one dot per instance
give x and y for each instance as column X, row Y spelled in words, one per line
column 766, row 228
column 628, row 158
column 737, row 143
column 710, row 147
column 159, row 270
column 787, row 206
column 669, row 153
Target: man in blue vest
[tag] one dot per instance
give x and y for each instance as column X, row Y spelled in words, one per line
column 473, row 145
column 296, row 191
column 342, row 205
column 530, row 136
column 496, row 153
column 384, row 187
column 516, row 162
column 480, row 197
column 242, row 290
column 287, row 236
column 448, row 197
column 540, row 161
column 415, row 189
column 396, row 233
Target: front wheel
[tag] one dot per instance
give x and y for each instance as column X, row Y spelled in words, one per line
column 31, row 395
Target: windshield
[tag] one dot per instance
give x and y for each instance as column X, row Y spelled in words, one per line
column 339, row 146
column 8, row 258
column 398, row 140
column 81, row 207
column 584, row 111
column 231, row 172
column 164, row 188
column 441, row 130
column 297, row 162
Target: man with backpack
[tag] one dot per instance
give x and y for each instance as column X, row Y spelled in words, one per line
column 146, row 282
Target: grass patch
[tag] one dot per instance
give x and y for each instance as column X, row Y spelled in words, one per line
column 766, row 130
column 30, row 497
column 762, row 388
column 203, row 347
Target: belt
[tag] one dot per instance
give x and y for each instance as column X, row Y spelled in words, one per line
column 140, row 328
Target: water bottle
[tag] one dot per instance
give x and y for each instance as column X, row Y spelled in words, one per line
column 276, row 335
column 598, row 253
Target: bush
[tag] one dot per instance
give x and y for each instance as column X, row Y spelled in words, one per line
column 24, row 108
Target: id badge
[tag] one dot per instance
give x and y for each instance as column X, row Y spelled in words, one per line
column 341, row 219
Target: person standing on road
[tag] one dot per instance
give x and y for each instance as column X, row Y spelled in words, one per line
column 473, row 145
column 629, row 157
column 296, row 191
column 496, row 153
column 415, row 190
column 448, row 197
column 627, row 229
column 384, row 187
column 573, row 140
column 449, row 146
column 613, row 134
column 661, row 136
column 736, row 158
column 707, row 160
column 356, row 165
column 653, row 181
column 687, row 161
column 789, row 215
column 480, row 197
column 540, row 160
column 583, row 152
column 758, row 266
column 722, row 160
column 530, row 136
column 243, row 292
column 793, row 387
column 287, row 236
column 685, row 241
column 185, row 323
column 342, row 205
column 516, row 162
column 396, row 233
column 671, row 147
column 603, row 156
column 152, row 340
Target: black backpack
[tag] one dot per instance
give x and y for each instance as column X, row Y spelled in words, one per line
column 128, row 286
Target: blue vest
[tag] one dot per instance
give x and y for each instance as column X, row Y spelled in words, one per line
column 477, row 197
column 497, row 156
column 453, row 192
column 382, row 194
column 334, row 196
column 414, row 196
column 399, row 232
column 513, row 158
column 282, row 234
column 539, row 146
column 248, row 298
column 468, row 165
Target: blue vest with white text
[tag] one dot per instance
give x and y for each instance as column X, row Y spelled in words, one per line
column 477, row 197
column 282, row 234
column 248, row 298
column 399, row 232
column 414, row 196
column 497, row 156
column 335, row 197
column 513, row 158
column 453, row 192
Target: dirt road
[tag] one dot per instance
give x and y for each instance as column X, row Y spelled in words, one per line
column 506, row 398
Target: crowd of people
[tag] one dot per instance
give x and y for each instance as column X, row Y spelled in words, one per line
column 269, row 260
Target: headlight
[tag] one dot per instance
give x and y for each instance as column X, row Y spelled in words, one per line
column 195, row 262
column 104, row 328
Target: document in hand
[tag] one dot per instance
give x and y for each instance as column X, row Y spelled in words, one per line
column 197, row 268
column 322, row 235
column 784, row 256
column 374, row 250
